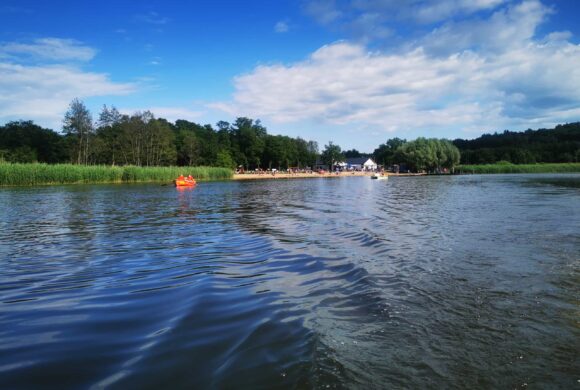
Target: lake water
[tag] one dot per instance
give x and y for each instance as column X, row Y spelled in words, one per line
column 415, row 282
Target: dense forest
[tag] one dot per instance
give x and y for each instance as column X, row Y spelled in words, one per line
column 558, row 145
column 143, row 140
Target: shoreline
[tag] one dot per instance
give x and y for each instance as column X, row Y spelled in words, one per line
column 264, row 176
column 38, row 174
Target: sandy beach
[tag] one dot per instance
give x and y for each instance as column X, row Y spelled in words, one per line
column 277, row 175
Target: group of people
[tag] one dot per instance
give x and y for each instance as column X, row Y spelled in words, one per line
column 189, row 178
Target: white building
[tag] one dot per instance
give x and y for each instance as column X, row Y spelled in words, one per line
column 361, row 164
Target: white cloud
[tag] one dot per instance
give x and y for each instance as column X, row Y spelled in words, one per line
column 558, row 36
column 499, row 77
column 342, row 83
column 435, row 11
column 43, row 91
column 53, row 49
column 325, row 11
column 281, row 27
column 377, row 19
column 508, row 28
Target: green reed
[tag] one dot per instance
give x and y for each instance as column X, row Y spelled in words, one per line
column 35, row 174
column 518, row 168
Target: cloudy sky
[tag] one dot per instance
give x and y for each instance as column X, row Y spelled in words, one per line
column 356, row 72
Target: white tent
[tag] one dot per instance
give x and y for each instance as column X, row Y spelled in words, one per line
column 370, row 165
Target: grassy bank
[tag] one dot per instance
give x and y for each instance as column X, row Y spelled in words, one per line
column 518, row 168
column 37, row 174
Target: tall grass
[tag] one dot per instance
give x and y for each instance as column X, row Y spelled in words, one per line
column 518, row 168
column 35, row 174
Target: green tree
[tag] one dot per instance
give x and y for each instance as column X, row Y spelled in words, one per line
column 78, row 123
column 250, row 138
column 331, row 155
column 132, row 137
column 159, row 146
column 428, row 154
column 452, row 155
column 109, row 116
column 207, row 143
column 312, row 153
column 385, row 153
column 22, row 154
column 544, row 145
column 306, row 152
column 224, row 159
column 23, row 141
column 188, row 148
column 353, row 153
column 107, row 145
column 224, row 136
column 274, row 152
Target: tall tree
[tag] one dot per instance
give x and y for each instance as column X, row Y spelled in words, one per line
column 331, row 155
column 188, row 148
column 385, row 153
column 303, row 156
column 159, row 147
column 352, row 153
column 312, row 153
column 109, row 116
column 78, row 123
column 108, row 134
column 250, row 138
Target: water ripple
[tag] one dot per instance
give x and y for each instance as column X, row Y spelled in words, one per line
column 447, row 282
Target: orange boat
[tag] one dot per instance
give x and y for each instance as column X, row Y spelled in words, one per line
column 184, row 181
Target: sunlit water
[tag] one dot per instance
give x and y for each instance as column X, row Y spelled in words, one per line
column 425, row 282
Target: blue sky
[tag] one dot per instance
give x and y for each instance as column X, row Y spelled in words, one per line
column 352, row 71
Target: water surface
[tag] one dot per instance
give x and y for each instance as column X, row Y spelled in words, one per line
column 424, row 282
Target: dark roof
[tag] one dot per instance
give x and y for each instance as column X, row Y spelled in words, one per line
column 357, row 160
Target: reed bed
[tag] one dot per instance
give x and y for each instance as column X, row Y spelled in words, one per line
column 519, row 168
column 38, row 174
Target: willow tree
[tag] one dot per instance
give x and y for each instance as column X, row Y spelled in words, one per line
column 428, row 154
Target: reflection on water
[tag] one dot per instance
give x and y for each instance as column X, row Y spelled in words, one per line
column 451, row 282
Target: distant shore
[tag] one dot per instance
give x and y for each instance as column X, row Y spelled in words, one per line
column 505, row 167
column 269, row 175
column 17, row 174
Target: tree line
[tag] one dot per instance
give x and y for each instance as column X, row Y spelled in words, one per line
column 558, row 145
column 141, row 139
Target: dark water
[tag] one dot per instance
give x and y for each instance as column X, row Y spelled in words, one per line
column 429, row 282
